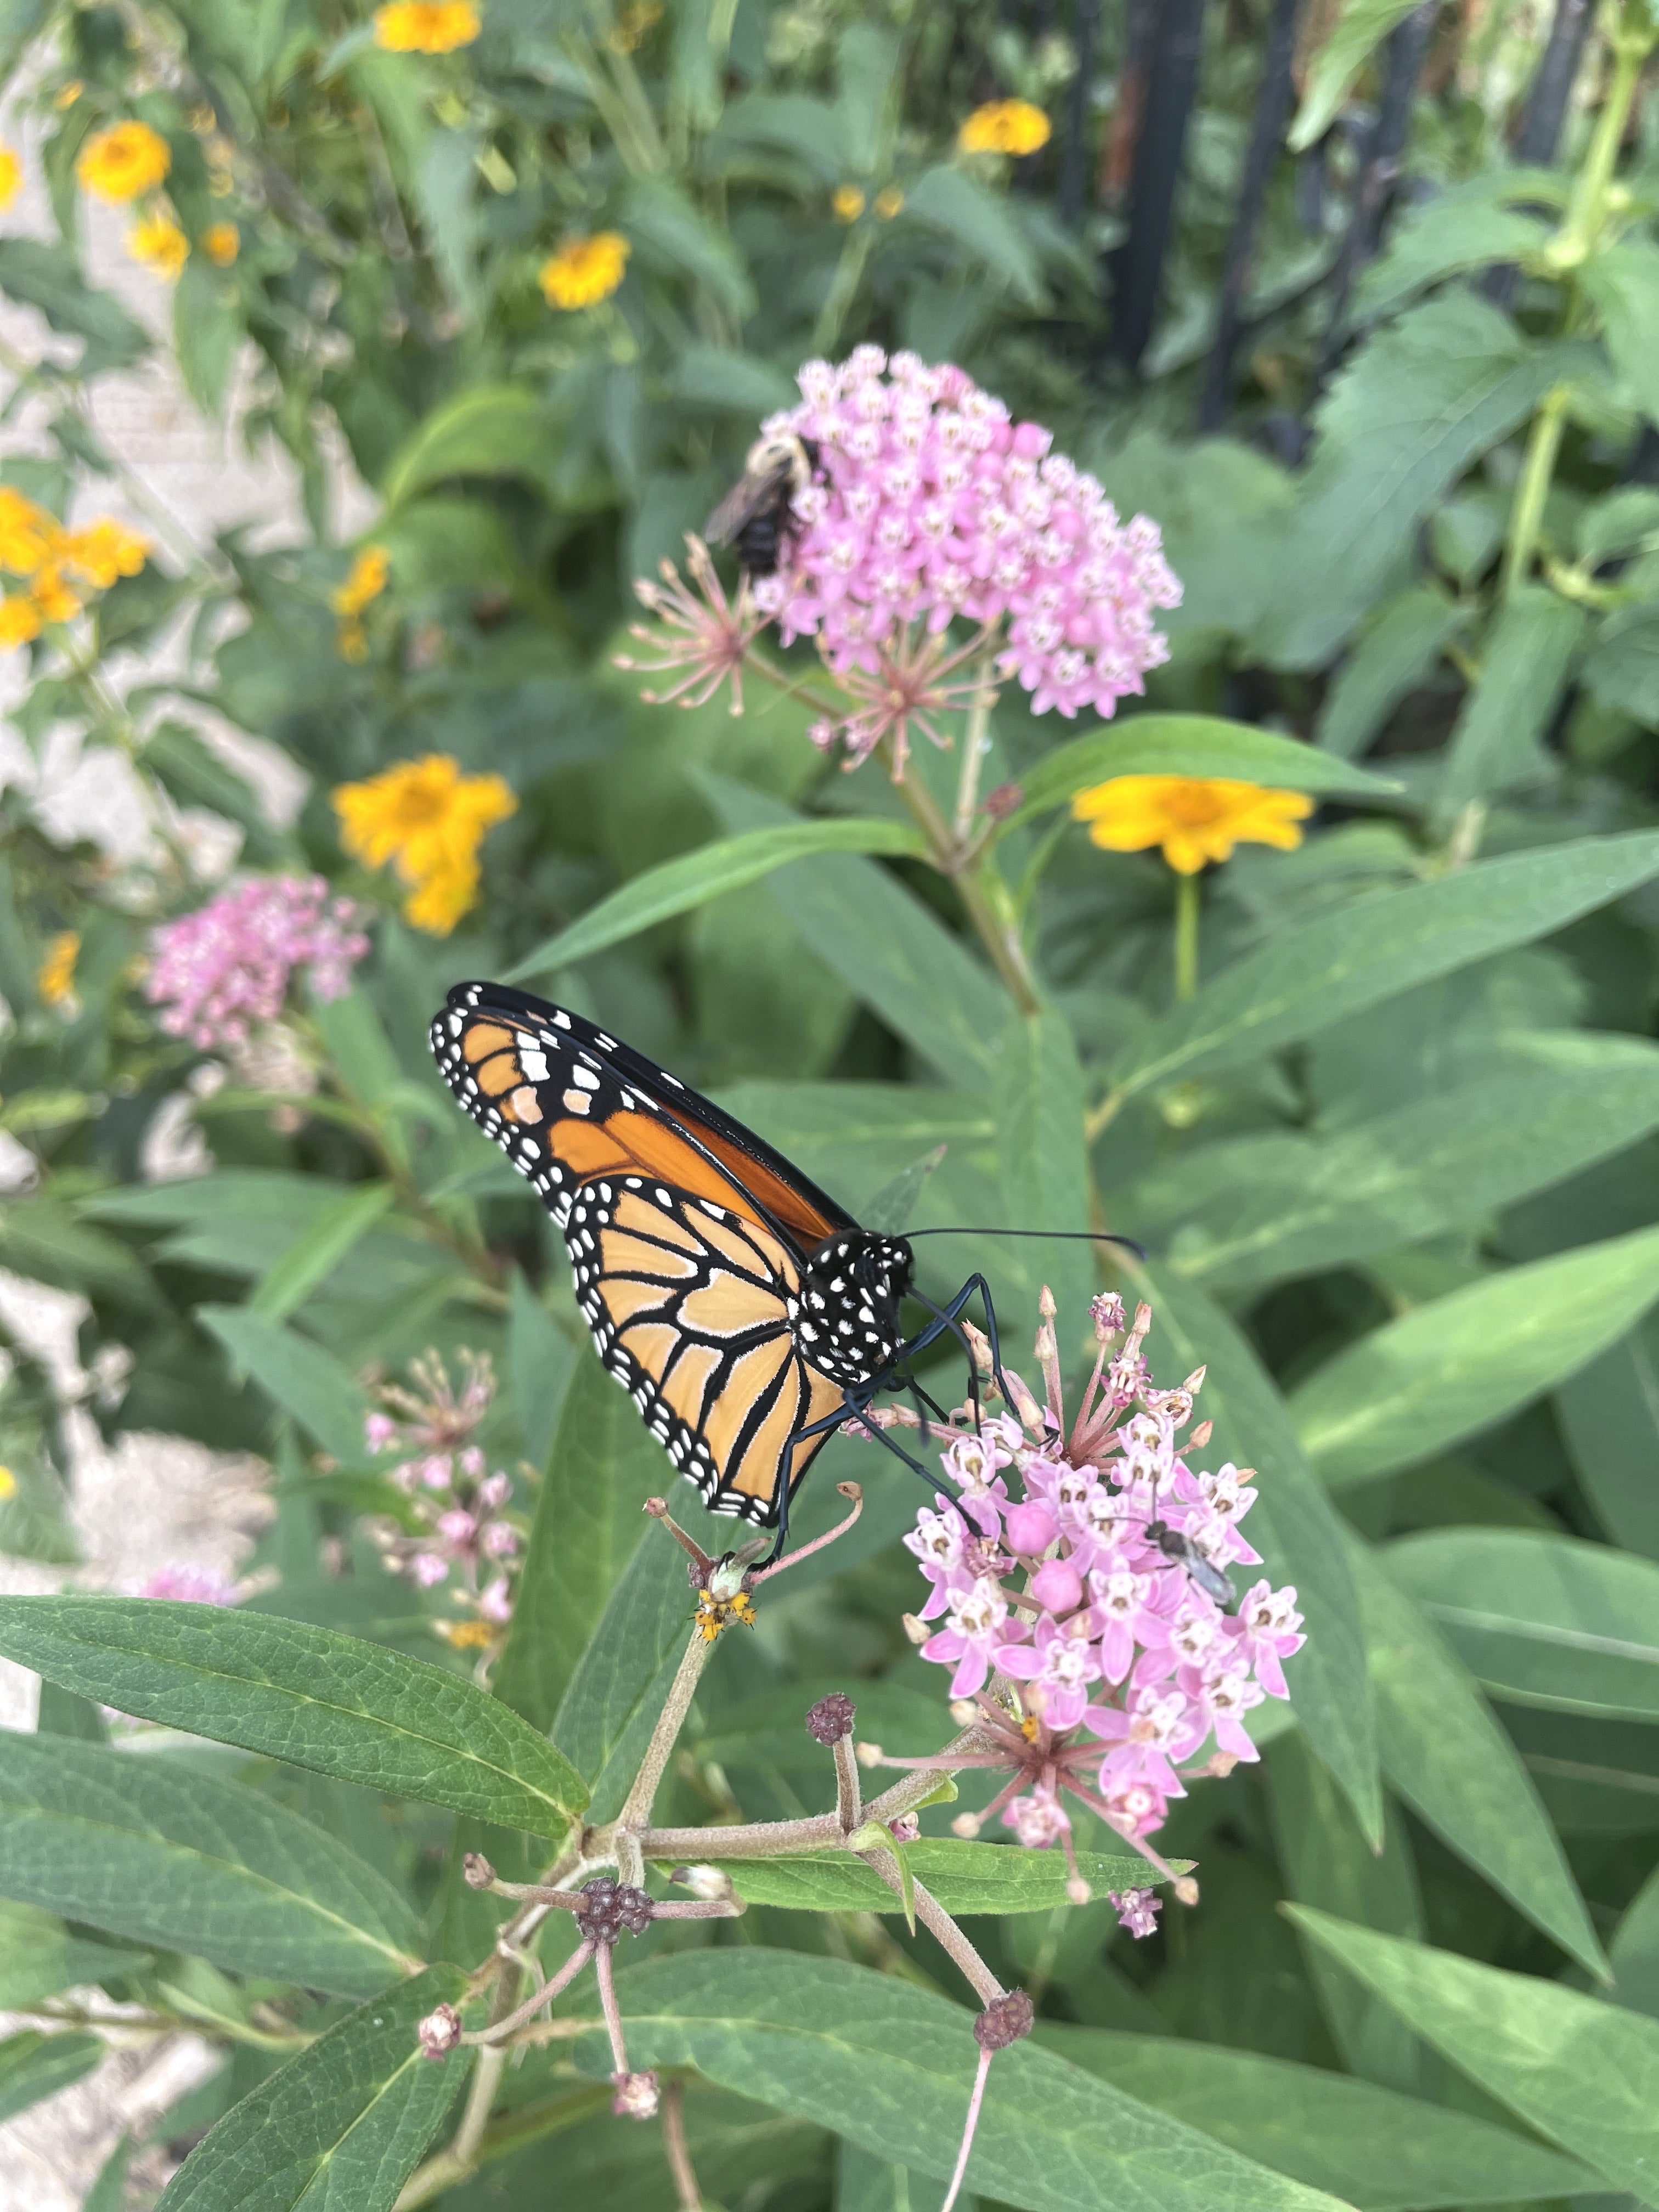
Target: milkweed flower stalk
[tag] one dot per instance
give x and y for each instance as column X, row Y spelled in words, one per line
column 934, row 550
column 459, row 1531
column 1078, row 1580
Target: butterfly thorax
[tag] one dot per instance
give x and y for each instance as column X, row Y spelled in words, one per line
column 847, row 1317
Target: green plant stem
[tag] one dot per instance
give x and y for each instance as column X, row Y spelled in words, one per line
column 974, row 743
column 1633, row 35
column 843, row 288
column 1186, row 936
column 980, row 891
column 635, row 1814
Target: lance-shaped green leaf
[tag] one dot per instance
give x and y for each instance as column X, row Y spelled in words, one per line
column 884, row 944
column 613, row 1696
column 889, row 2067
column 1457, row 1770
column 1357, row 29
column 1543, row 1620
column 1192, row 744
column 1292, row 1524
column 962, row 1877
column 1609, row 1415
column 1380, row 2151
column 1255, row 1209
column 33, row 2066
column 305, row 1694
column 339, row 2129
column 604, row 1463
column 1396, row 650
column 691, row 879
column 1444, row 1371
column 1585, row 2074
column 1498, row 740
column 1304, row 979
column 39, row 1957
column 307, row 1264
column 301, row 1377
column 147, row 1850
column 1042, row 1160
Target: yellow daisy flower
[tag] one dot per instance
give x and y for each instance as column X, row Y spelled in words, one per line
column 11, row 176
column 124, row 160
column 8, row 1483
column 20, row 622
column 426, row 27
column 55, row 979
column 53, row 597
column 221, row 242
column 104, row 551
column 366, row 581
column 848, row 201
column 29, row 535
column 585, row 270
column 1005, row 126
column 1195, row 819
column 159, row 244
column 427, row 820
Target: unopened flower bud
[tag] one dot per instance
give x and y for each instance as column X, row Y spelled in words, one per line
column 1029, row 1528
column 917, row 1631
column 907, row 1827
column 708, row 1882
column 1078, row 1890
column 967, row 1826
column 1004, row 2021
column 831, row 1718
column 472, row 1462
column 1200, row 1436
column 494, row 1490
column 869, row 1754
column 607, row 1907
column 439, row 2032
column 457, row 1527
column 634, row 2096
column 477, row 1871
column 963, row 1711
column 1005, row 800
column 1186, row 1891
column 1057, row 1586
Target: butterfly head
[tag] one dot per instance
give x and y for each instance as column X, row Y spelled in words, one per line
column 849, row 1305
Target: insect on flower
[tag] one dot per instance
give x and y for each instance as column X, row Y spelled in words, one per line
column 758, row 516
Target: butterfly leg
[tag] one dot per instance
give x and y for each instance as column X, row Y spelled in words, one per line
column 854, row 1411
column 947, row 1318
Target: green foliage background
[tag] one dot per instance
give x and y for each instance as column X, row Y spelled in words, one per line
column 1394, row 1165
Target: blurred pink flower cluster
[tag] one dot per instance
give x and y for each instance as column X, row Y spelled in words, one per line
column 930, row 503
column 464, row 1533
column 1096, row 1589
column 225, row 969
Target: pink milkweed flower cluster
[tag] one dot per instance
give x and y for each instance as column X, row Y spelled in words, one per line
column 465, row 1534
column 929, row 503
column 224, row 970
column 1081, row 1642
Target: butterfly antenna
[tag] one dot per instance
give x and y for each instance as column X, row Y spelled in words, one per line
column 1062, row 1236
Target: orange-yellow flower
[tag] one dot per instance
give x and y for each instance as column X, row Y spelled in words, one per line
column 157, row 241
column 19, row 620
column 1005, row 126
column 104, row 551
column 429, row 820
column 365, row 581
column 29, row 535
column 426, row 27
column 585, row 270
column 11, row 176
column 1195, row 819
column 53, row 597
column 221, row 242
column 124, row 160
column 55, row 979
column 848, row 201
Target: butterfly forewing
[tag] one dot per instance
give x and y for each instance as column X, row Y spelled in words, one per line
column 685, row 1234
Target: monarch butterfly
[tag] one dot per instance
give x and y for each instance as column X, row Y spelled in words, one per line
column 746, row 1314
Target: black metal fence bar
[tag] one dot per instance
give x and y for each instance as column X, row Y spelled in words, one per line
column 1177, row 46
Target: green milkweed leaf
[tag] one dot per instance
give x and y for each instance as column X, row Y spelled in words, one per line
column 604, row 1465
column 306, row 1381
column 1302, row 981
column 341, row 2126
column 889, row 2066
column 33, row 2066
column 1191, row 745
column 617, row 1687
column 305, row 1694
column 1583, row 2073
column 309, row 1262
column 691, row 879
column 1609, row 1415
column 1374, row 2148
column 1444, row 1753
column 1445, row 1369
column 1354, row 34
column 141, row 1848
column 1542, row 1619
column 1498, row 740
column 39, row 1957
column 965, row 1878
column 491, row 430
column 1395, row 651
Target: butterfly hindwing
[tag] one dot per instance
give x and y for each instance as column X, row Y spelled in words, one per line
column 684, row 1232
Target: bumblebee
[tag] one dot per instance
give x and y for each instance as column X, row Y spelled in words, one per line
column 756, row 516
